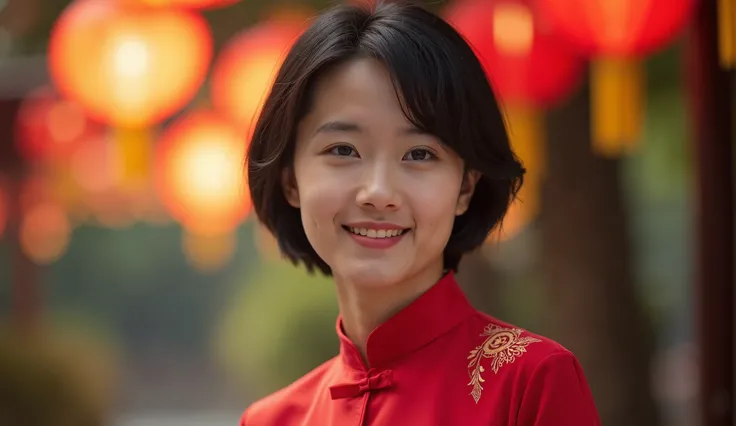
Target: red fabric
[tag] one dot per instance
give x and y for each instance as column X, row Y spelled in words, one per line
column 438, row 362
column 618, row 27
column 541, row 77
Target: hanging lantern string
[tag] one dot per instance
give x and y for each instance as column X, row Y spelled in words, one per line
column 727, row 33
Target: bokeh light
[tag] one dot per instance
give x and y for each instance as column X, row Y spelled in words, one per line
column 244, row 70
column 45, row 232
column 49, row 127
column 129, row 66
column 200, row 173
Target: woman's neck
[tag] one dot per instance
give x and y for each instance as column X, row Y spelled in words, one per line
column 363, row 308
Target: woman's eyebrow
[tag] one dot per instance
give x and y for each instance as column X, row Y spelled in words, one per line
column 338, row 126
column 341, row 126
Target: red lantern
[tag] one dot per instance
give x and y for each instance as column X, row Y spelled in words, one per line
column 131, row 67
column 527, row 62
column 49, row 128
column 616, row 33
column 530, row 69
column 244, row 71
column 200, row 175
column 621, row 28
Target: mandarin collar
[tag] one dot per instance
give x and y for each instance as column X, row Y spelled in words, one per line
column 431, row 315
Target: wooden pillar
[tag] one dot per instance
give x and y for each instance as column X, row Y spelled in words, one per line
column 17, row 78
column 711, row 103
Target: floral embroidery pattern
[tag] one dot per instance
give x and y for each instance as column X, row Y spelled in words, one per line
column 502, row 346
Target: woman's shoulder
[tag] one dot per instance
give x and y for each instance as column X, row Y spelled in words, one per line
column 506, row 353
column 289, row 402
column 547, row 376
column 492, row 337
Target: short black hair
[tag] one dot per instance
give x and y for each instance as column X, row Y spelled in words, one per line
column 443, row 89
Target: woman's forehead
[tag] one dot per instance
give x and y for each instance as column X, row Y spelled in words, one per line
column 356, row 95
column 363, row 81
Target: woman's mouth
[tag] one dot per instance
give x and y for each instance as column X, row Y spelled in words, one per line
column 376, row 237
column 376, row 233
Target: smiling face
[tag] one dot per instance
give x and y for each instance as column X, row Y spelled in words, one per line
column 377, row 197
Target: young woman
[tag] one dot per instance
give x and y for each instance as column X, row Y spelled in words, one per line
column 381, row 158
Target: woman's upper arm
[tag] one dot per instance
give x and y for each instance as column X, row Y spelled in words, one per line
column 558, row 395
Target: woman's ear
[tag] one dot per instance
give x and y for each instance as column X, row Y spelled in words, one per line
column 466, row 191
column 288, row 185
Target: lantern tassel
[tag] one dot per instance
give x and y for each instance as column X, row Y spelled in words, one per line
column 617, row 105
column 208, row 252
column 67, row 189
column 727, row 33
column 133, row 157
column 526, row 131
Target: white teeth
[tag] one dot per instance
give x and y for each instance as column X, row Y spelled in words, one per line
column 377, row 233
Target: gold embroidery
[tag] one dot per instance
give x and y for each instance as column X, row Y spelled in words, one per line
column 502, row 346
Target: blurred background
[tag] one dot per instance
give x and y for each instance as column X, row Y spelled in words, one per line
column 136, row 287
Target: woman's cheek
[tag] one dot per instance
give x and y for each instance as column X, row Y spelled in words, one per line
column 321, row 200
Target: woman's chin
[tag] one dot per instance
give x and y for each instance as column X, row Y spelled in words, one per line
column 370, row 274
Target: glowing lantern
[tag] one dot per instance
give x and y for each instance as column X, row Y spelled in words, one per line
column 200, row 173
column 616, row 33
column 49, row 128
column 242, row 74
column 128, row 66
column 530, row 69
column 186, row 4
column 202, row 184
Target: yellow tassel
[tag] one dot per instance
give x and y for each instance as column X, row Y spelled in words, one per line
column 67, row 190
column 616, row 105
column 526, row 131
column 208, row 253
column 133, row 157
column 727, row 33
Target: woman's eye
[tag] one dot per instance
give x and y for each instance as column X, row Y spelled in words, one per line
column 419, row 154
column 343, row 151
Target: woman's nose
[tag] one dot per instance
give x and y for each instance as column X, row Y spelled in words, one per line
column 379, row 188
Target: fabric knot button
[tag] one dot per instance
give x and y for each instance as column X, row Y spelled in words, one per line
column 372, row 382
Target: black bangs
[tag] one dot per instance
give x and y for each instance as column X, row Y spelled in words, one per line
column 441, row 85
column 443, row 91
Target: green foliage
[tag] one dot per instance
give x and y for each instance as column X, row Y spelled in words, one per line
column 658, row 181
column 661, row 167
column 279, row 325
column 137, row 282
column 54, row 378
